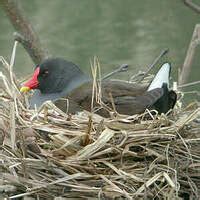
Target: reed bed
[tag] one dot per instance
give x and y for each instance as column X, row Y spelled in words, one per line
column 46, row 153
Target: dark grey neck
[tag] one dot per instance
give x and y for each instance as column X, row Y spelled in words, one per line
column 74, row 83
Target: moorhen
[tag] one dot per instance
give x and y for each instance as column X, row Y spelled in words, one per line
column 58, row 80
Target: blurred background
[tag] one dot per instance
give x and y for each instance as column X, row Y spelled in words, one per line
column 116, row 31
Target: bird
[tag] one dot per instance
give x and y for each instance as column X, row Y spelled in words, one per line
column 64, row 83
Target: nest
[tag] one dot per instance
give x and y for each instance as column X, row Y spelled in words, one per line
column 46, row 153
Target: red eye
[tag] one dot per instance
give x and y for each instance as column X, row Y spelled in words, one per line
column 45, row 73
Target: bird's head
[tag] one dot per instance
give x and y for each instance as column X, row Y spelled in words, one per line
column 52, row 76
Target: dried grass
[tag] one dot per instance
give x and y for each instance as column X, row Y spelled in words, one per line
column 46, row 153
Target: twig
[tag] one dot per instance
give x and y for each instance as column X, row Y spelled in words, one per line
column 151, row 66
column 112, row 102
column 10, row 69
column 25, row 33
column 89, row 129
column 94, row 85
column 98, row 92
column 192, row 5
column 12, row 125
column 121, row 68
column 186, row 68
column 189, row 84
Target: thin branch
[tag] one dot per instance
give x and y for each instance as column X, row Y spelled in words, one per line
column 25, row 33
column 192, row 5
column 186, row 68
column 189, row 84
column 151, row 66
column 121, row 68
column 142, row 75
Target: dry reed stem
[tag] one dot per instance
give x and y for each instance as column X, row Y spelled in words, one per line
column 187, row 65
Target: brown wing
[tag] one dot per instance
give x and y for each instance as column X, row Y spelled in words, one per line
column 117, row 88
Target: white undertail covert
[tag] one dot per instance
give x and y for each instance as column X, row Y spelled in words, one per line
column 161, row 77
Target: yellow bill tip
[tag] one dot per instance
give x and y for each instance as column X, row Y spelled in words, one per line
column 24, row 89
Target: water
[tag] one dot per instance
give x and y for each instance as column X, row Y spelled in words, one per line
column 116, row 31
